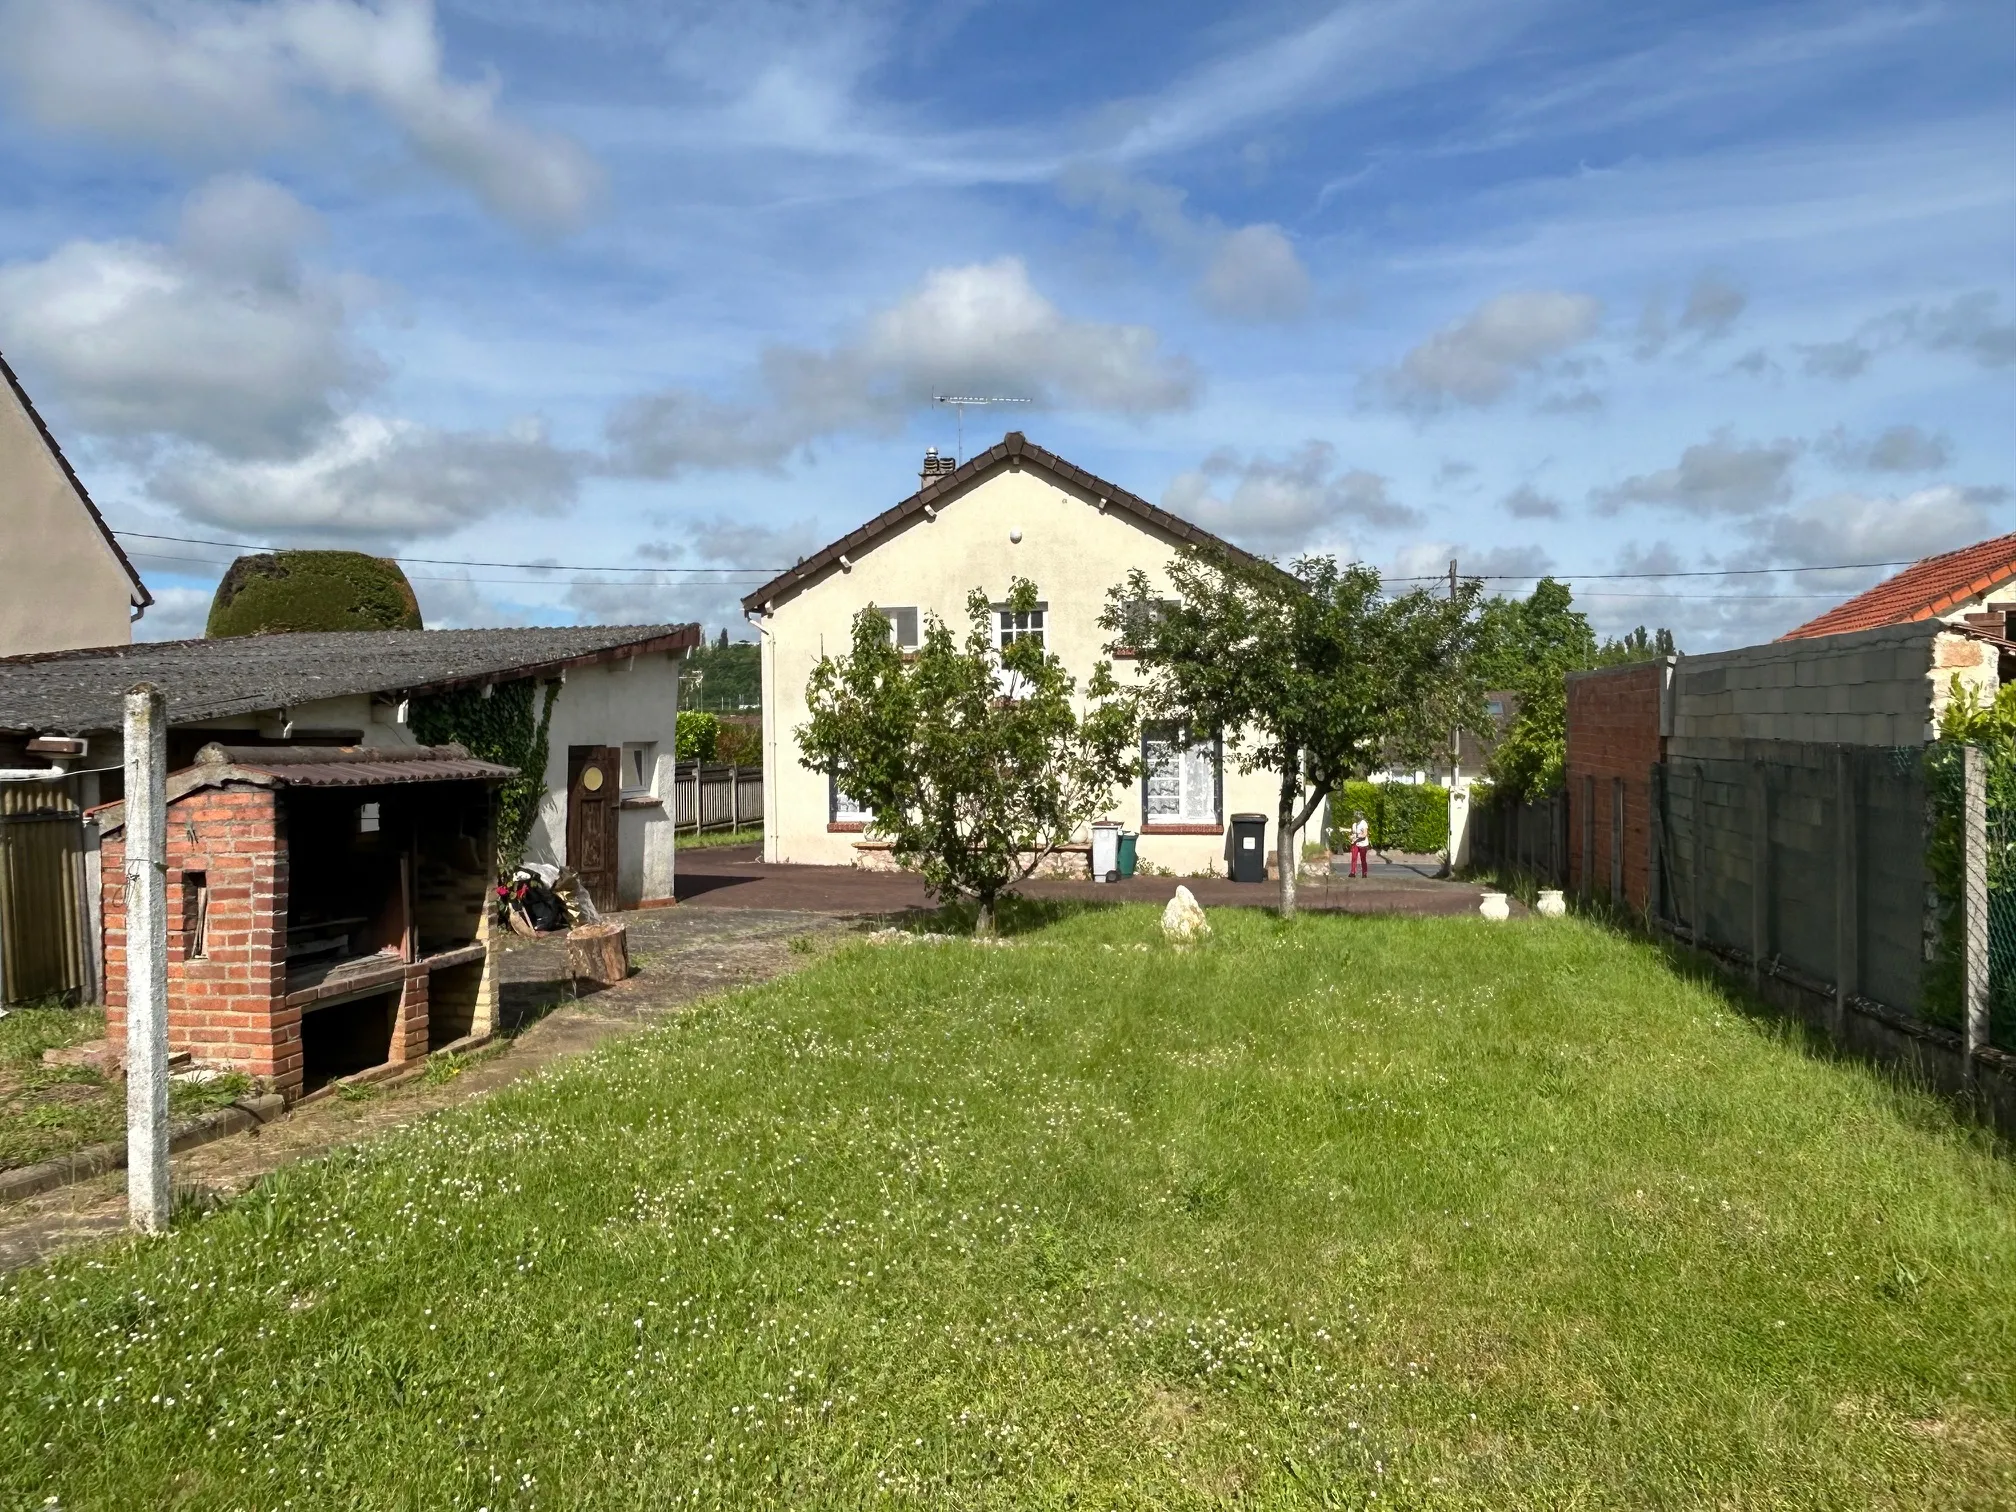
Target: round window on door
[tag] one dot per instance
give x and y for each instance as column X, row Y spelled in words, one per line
column 591, row 778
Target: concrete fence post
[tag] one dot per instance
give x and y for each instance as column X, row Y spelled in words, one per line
column 148, row 1202
column 1974, row 894
column 1847, row 890
column 1697, row 853
column 1760, row 871
column 1588, row 888
column 1655, row 843
column 1616, row 842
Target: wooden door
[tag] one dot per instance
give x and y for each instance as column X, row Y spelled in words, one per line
column 594, row 780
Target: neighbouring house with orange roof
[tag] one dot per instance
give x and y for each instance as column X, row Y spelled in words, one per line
column 1955, row 588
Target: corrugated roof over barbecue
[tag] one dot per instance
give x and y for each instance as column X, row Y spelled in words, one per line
column 73, row 692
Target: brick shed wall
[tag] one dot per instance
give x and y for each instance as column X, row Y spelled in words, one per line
column 1613, row 737
column 227, row 1007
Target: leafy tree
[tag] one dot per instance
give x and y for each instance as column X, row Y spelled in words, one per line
column 696, row 737
column 1528, row 647
column 1313, row 673
column 975, row 762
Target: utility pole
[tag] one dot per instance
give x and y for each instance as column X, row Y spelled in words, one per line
column 959, row 403
column 148, row 1203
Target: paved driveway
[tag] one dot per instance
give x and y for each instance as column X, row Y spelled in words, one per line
column 737, row 877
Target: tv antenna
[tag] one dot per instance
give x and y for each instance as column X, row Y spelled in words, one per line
column 959, row 403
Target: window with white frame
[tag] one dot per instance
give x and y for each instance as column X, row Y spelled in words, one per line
column 1012, row 625
column 1181, row 781
column 902, row 626
column 640, row 768
column 843, row 808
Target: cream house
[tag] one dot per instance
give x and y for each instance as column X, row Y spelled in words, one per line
column 64, row 582
column 1015, row 510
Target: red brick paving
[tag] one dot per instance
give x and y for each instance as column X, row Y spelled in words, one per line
column 736, row 877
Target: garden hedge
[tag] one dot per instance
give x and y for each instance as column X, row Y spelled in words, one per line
column 1404, row 816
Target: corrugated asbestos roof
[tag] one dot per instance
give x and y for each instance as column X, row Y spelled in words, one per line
column 316, row 766
column 352, row 766
column 1014, row 450
column 72, row 692
column 1924, row 590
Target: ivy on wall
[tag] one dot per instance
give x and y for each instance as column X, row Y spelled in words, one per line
column 502, row 728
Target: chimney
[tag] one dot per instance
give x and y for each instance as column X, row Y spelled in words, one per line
column 936, row 467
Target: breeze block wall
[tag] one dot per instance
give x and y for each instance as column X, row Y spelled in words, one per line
column 1613, row 740
column 226, row 855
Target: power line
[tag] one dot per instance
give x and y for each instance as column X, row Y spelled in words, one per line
column 141, row 535
column 766, row 572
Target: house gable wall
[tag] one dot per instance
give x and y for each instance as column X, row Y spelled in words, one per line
column 1071, row 549
column 61, row 586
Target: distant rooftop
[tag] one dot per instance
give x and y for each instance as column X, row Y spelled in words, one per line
column 1925, row 590
column 70, row 692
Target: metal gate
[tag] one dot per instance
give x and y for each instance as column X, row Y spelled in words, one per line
column 45, row 928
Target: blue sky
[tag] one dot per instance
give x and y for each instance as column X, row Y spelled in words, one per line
column 1594, row 288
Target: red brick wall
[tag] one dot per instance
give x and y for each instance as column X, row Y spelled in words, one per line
column 228, row 1006
column 1613, row 732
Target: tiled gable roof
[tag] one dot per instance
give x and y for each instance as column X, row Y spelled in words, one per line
column 1013, row 450
column 1924, row 590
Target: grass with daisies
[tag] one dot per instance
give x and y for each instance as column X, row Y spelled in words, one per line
column 1348, row 1212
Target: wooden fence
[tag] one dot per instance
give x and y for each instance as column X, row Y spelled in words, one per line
column 709, row 797
column 1522, row 837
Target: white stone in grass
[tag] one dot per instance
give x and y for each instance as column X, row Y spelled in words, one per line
column 1552, row 904
column 1183, row 921
column 1495, row 907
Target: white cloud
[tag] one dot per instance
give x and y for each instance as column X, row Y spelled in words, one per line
column 981, row 328
column 1966, row 324
column 1504, row 568
column 1708, row 312
column 1527, row 503
column 1477, row 360
column 1900, row 448
column 175, row 614
column 223, row 338
column 1251, row 273
column 1717, row 476
column 374, row 479
column 1285, row 504
column 1858, row 527
column 230, row 79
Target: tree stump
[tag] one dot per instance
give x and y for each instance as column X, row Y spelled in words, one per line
column 599, row 953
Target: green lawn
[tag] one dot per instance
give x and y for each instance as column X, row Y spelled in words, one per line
column 715, row 839
column 1354, row 1213
column 47, row 1110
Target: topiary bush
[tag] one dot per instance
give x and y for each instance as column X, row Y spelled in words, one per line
column 312, row 590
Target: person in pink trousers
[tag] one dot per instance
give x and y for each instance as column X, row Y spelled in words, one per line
column 1361, row 847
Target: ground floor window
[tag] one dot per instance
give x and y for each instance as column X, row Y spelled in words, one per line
column 1182, row 780
column 843, row 808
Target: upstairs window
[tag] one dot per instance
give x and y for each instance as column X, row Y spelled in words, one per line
column 902, row 627
column 1182, row 771
column 1012, row 625
column 1138, row 620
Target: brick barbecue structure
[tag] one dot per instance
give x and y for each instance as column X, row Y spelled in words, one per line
column 1615, row 738
column 329, row 908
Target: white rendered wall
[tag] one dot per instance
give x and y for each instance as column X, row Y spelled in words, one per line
column 631, row 701
column 1071, row 549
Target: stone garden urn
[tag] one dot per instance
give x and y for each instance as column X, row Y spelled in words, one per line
column 1495, row 906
